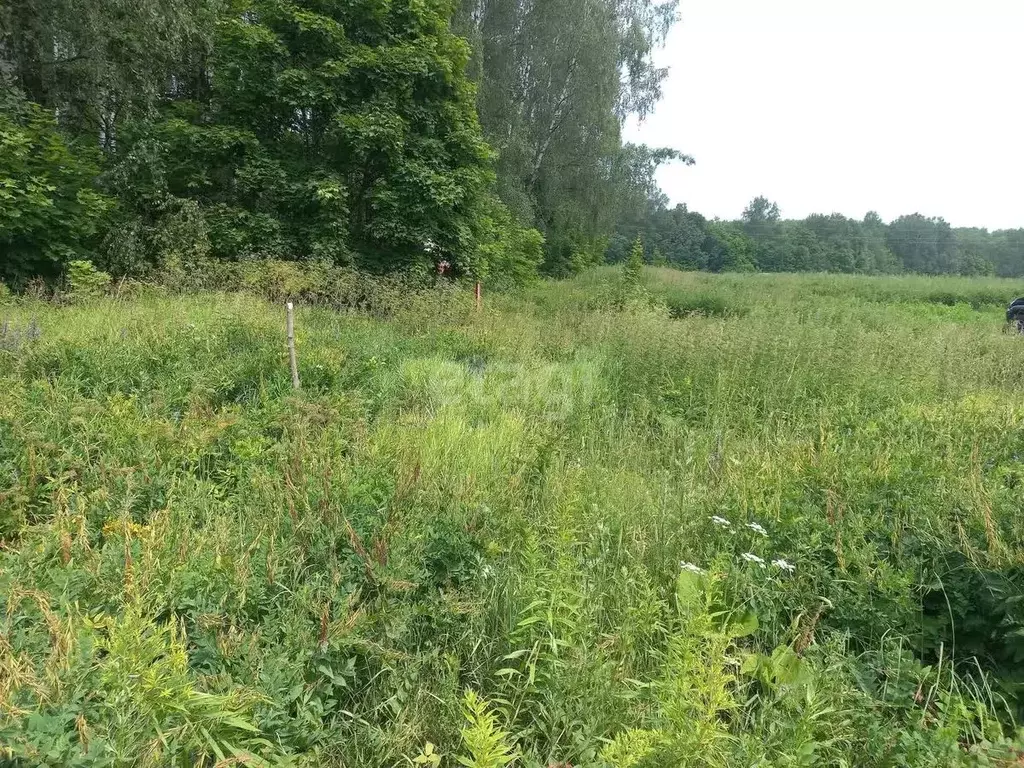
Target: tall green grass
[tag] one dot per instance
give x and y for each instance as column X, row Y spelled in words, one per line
column 465, row 537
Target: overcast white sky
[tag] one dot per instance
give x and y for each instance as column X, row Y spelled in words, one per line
column 898, row 106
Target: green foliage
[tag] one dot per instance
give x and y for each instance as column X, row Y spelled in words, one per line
column 630, row 292
column 785, row 532
column 50, row 212
column 251, row 130
column 156, row 137
column 429, row 756
column 731, row 250
column 142, row 705
column 507, row 253
column 314, row 142
column 101, row 66
column 633, row 269
column 85, row 281
column 761, row 240
column 924, row 245
column 486, row 743
column 150, row 708
column 554, row 113
column 683, row 303
column 696, row 691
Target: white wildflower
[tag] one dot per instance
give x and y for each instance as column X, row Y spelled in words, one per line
column 750, row 557
column 757, row 528
column 783, row 565
column 717, row 520
column 685, row 566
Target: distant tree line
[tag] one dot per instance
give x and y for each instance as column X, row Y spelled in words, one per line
column 762, row 240
column 386, row 134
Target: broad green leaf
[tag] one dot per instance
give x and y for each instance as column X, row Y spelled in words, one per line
column 743, row 623
column 690, row 590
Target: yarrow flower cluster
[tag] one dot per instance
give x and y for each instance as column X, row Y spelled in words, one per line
column 750, row 557
column 726, row 523
column 757, row 528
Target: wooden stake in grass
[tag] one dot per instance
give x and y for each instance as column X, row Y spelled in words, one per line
column 291, row 347
column 477, row 294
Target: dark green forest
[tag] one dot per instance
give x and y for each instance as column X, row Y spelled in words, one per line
column 382, row 135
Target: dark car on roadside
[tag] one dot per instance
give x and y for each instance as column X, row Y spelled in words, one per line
column 1015, row 313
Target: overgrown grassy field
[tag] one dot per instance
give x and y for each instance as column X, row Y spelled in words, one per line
column 725, row 521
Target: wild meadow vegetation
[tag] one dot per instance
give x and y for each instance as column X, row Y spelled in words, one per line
column 639, row 518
